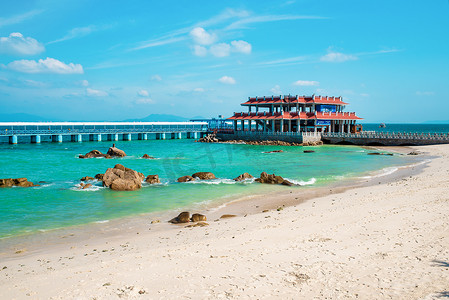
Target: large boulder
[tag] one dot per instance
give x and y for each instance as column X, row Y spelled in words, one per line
column 269, row 178
column 121, row 178
column 204, row 175
column 198, row 218
column 146, row 156
column 95, row 153
column 113, row 151
column 186, row 178
column 9, row 182
column 273, row 179
column 152, row 179
column 183, row 217
column 243, row 177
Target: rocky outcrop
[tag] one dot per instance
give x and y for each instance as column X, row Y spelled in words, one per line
column 116, row 152
column 152, row 179
column 274, row 143
column 198, row 218
column 210, row 138
column 95, row 153
column 183, row 217
column 204, row 175
column 99, row 177
column 86, row 178
column 10, row 182
column 274, row 151
column 308, row 151
column 379, row 153
column 146, row 156
column 413, row 153
column 272, row 179
column 243, row 177
column 86, row 186
column 227, row 216
column 186, row 178
column 199, row 224
column 121, row 178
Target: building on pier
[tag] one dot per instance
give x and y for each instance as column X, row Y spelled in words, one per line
column 296, row 114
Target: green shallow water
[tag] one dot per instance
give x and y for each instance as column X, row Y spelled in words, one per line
column 59, row 203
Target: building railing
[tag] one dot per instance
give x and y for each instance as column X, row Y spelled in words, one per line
column 99, row 131
column 389, row 135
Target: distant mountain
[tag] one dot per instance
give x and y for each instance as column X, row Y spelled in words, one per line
column 159, row 118
column 22, row 117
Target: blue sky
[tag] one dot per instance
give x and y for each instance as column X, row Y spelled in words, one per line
column 114, row 60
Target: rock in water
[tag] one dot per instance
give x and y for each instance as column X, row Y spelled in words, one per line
column 287, row 183
column 243, row 177
column 308, row 151
column 146, row 156
column 94, row 153
column 198, row 218
column 270, row 178
column 113, row 151
column 9, row 182
column 152, row 179
column 87, row 186
column 85, row 178
column 99, row 177
column 183, row 217
column 186, row 178
column 274, row 151
column 120, row 178
column 204, row 175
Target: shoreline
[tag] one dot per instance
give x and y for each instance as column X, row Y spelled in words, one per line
column 241, row 206
column 385, row 240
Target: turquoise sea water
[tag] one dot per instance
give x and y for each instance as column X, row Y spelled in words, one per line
column 58, row 202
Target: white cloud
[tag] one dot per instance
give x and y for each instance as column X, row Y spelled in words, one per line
column 199, row 50
column 419, row 93
column 276, row 89
column 220, row 50
column 337, row 57
column 144, row 101
column 17, row 44
column 269, row 18
column 364, row 95
column 202, row 37
column 85, row 83
column 143, row 93
column 19, row 18
column 95, row 93
column 285, row 61
column 227, row 80
column 306, row 83
column 241, row 46
column 198, row 90
column 156, row 77
column 48, row 65
column 77, row 32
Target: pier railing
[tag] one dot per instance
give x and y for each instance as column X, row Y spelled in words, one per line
column 255, row 133
column 390, row 135
column 97, row 131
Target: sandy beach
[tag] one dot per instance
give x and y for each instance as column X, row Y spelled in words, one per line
column 389, row 240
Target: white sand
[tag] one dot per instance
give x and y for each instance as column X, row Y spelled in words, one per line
column 388, row 241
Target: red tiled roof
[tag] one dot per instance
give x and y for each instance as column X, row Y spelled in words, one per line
column 294, row 99
column 295, row 115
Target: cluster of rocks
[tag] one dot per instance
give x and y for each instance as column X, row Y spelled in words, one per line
column 185, row 217
column 112, row 152
column 379, row 153
column 198, row 175
column 272, row 179
column 413, row 153
column 243, row 176
column 10, row 182
column 121, row 178
column 274, row 143
column 210, row 138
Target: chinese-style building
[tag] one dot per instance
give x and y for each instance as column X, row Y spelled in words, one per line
column 295, row 114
